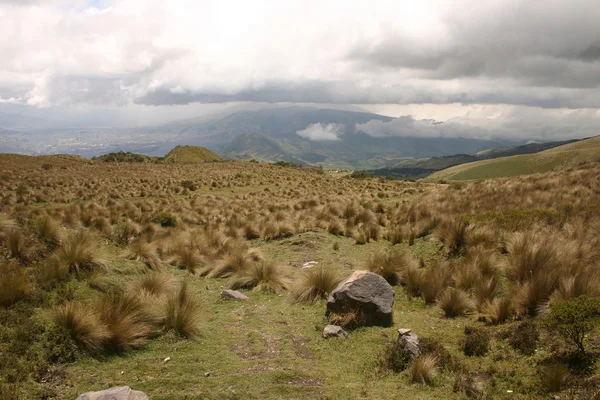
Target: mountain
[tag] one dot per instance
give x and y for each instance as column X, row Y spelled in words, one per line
column 285, row 134
column 567, row 155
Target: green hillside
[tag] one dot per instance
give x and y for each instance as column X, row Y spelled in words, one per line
column 559, row 157
column 191, row 154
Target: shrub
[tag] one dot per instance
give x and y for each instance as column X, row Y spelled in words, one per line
column 182, row 313
column 390, row 264
column 128, row 324
column 423, row 369
column 266, row 276
column 553, row 377
column 394, row 357
column 361, row 174
column 573, row 319
column 14, row 284
column 165, row 219
column 80, row 252
column 81, row 325
column 525, row 337
column 455, row 303
column 315, row 283
column 189, row 185
column 476, row 342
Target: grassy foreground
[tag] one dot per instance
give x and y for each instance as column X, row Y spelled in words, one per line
column 112, row 274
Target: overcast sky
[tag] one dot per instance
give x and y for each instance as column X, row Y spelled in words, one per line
column 506, row 66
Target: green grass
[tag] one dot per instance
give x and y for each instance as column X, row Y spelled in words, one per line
column 559, row 157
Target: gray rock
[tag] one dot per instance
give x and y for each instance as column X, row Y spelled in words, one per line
column 411, row 344
column 233, row 294
column 365, row 294
column 334, row 331
column 116, row 393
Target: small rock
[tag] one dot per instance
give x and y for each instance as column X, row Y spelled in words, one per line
column 233, row 294
column 334, row 331
column 411, row 344
column 116, row 393
column 207, row 374
column 309, row 264
column 166, row 360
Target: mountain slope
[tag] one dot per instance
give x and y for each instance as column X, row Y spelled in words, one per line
column 571, row 154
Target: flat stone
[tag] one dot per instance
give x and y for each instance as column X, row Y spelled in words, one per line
column 334, row 331
column 403, row 331
column 116, row 393
column 233, row 294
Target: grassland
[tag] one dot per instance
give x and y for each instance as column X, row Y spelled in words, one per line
column 87, row 235
column 565, row 156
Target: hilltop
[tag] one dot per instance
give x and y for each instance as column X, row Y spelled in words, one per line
column 190, row 154
column 568, row 155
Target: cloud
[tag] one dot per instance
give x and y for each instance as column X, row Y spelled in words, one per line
column 322, row 132
column 116, row 52
column 494, row 122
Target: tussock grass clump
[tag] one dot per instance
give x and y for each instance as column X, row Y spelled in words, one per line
column 315, row 283
column 455, row 303
column 412, row 281
column 434, row 280
column 156, row 284
column 530, row 255
column 7, row 224
column 182, row 313
column 233, row 263
column 128, row 323
column 454, row 235
column 496, row 311
column 144, row 252
column 83, row 326
column 424, row 369
column 14, row 283
column 262, row 276
column 390, row 264
column 48, row 231
column 16, row 244
column 51, row 271
column 486, row 289
column 80, row 253
column 187, row 257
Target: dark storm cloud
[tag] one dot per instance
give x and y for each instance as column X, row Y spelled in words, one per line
column 554, row 44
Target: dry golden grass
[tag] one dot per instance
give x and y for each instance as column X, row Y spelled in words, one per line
column 83, row 326
column 315, row 283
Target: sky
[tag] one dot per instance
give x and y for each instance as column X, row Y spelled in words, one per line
column 517, row 68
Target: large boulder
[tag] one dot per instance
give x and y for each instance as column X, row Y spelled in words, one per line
column 116, row 393
column 364, row 299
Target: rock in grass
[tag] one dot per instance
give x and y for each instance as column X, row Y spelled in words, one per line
column 364, row 299
column 334, row 331
column 234, row 295
column 410, row 341
column 116, row 393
